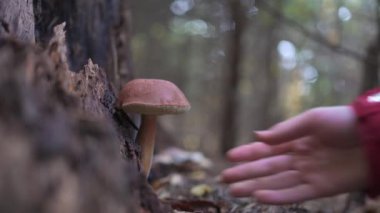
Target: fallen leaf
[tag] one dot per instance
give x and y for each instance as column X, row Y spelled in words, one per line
column 201, row 190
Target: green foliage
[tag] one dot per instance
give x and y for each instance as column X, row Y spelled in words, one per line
column 301, row 10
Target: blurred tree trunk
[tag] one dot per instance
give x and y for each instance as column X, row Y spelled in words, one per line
column 371, row 61
column 266, row 109
column 371, row 66
column 269, row 109
column 231, row 94
column 61, row 130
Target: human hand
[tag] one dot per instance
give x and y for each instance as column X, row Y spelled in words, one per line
column 312, row 155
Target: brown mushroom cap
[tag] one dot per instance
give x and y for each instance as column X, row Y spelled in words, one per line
column 152, row 97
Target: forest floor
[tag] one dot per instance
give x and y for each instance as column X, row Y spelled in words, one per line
column 188, row 182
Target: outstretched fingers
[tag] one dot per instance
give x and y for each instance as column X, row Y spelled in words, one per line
column 257, row 150
column 282, row 180
column 258, row 168
column 291, row 129
column 295, row 194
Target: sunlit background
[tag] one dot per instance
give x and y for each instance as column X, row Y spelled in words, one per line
column 294, row 55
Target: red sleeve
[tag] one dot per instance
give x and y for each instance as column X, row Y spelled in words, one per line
column 367, row 109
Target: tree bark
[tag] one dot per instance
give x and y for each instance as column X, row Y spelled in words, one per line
column 96, row 29
column 16, row 19
column 65, row 147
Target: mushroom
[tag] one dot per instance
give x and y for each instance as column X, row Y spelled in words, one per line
column 151, row 98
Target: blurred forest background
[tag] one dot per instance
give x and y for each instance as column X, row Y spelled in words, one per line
column 245, row 65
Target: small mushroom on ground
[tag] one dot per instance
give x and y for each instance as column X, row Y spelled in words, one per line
column 151, row 98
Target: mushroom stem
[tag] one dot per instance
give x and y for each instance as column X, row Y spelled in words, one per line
column 146, row 138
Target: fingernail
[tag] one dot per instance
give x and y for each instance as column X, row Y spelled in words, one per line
column 229, row 152
column 256, row 134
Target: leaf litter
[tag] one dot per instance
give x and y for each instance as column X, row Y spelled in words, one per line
column 189, row 182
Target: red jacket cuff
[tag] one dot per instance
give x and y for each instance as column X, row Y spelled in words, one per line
column 367, row 109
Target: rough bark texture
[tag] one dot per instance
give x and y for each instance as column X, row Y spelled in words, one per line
column 65, row 147
column 96, row 29
column 53, row 151
column 16, row 19
column 60, row 147
column 121, row 68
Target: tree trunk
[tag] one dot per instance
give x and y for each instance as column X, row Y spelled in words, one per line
column 229, row 126
column 61, row 132
column 268, row 106
column 371, row 61
column 96, row 29
column 371, row 66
